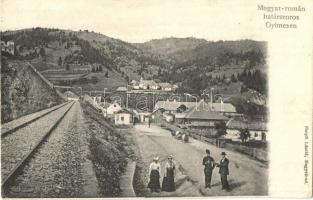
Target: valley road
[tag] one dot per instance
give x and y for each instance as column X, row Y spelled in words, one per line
column 247, row 176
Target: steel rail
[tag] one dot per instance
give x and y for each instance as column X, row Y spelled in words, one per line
column 21, row 164
column 5, row 133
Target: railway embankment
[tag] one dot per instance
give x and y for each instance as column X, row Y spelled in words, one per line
column 109, row 152
column 24, row 92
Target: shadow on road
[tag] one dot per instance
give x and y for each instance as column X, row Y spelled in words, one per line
column 233, row 184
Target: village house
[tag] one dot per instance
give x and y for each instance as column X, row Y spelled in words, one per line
column 111, row 109
column 121, row 89
column 166, row 86
column 71, row 96
column 147, row 85
column 142, row 116
column 257, row 130
column 198, row 116
column 170, row 106
column 151, row 85
column 136, row 87
column 7, row 47
column 201, row 120
column 226, row 109
column 123, row 117
column 133, row 82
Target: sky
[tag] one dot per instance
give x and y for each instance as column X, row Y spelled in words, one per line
column 137, row 20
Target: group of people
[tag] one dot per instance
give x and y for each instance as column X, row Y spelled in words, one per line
column 168, row 183
column 181, row 136
column 209, row 165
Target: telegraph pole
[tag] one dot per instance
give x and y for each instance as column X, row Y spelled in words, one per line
column 127, row 96
column 212, row 98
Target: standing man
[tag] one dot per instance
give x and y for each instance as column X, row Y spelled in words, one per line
column 208, row 163
column 224, row 171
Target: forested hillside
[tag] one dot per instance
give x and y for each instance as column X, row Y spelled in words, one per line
column 236, row 69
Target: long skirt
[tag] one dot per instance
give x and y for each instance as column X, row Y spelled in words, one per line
column 154, row 183
column 168, row 183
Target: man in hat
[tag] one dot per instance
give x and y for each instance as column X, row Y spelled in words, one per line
column 224, row 171
column 208, row 163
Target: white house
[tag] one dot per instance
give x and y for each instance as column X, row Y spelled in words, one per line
column 7, row 47
column 226, row 109
column 133, row 82
column 257, row 130
column 143, row 116
column 71, row 96
column 113, row 108
column 166, row 86
column 123, row 117
column 155, row 86
column 136, row 87
column 147, row 84
column 121, row 89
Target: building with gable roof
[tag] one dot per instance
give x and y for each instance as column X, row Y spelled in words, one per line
column 123, row 117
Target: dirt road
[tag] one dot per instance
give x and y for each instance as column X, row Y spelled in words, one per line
column 247, row 176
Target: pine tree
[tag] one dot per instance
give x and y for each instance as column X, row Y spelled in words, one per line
column 60, row 61
column 233, row 78
column 67, row 67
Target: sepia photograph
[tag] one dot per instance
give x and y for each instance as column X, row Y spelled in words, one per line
column 132, row 99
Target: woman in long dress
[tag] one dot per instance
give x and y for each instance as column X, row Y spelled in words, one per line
column 168, row 183
column 154, row 173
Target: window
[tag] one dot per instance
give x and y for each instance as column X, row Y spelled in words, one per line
column 122, row 118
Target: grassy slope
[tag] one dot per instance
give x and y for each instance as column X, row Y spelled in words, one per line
column 109, row 152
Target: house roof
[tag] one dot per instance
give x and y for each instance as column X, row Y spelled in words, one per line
column 111, row 104
column 203, row 124
column 250, row 125
column 201, row 110
column 173, row 105
column 180, row 115
column 124, row 111
column 165, row 85
column 148, row 82
column 121, row 89
column 225, row 107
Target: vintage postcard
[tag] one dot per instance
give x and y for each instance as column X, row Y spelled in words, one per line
column 156, row 98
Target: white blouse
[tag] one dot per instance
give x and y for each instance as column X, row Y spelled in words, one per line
column 155, row 166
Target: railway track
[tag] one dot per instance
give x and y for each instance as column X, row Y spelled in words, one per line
column 13, row 126
column 18, row 147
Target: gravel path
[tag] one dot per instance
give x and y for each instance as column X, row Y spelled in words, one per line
column 60, row 168
column 16, row 145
